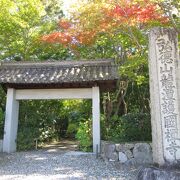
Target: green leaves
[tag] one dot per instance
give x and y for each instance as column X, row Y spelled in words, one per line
column 131, row 128
column 84, row 135
column 22, row 23
column 135, row 69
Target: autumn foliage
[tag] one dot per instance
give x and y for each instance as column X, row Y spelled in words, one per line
column 134, row 13
column 64, row 24
column 107, row 16
column 58, row 37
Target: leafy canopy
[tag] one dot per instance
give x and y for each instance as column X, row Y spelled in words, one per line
column 91, row 18
column 22, row 22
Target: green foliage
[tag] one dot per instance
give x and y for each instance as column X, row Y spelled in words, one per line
column 71, row 130
column 49, row 120
column 76, row 109
column 2, row 111
column 104, row 127
column 26, row 137
column 41, row 120
column 20, row 33
column 1, row 124
column 47, row 134
column 130, row 127
column 140, row 104
column 84, row 135
column 22, row 23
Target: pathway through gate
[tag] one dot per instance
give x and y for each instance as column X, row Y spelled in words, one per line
column 52, row 163
column 62, row 145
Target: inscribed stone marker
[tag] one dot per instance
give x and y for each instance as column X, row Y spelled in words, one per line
column 163, row 61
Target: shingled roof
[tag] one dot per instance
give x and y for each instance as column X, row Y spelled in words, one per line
column 59, row 74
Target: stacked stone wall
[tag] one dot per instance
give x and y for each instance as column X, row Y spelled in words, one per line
column 128, row 153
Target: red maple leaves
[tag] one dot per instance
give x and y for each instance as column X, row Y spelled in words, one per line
column 64, row 24
column 134, row 13
column 126, row 12
column 58, row 37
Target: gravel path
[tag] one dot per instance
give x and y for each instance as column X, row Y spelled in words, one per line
column 55, row 164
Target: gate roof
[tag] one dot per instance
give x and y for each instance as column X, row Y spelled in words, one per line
column 59, row 74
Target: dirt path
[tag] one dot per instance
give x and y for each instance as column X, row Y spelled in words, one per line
column 63, row 145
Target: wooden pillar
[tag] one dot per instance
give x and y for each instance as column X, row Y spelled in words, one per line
column 165, row 116
column 96, row 118
column 11, row 122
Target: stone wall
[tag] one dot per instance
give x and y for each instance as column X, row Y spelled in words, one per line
column 128, row 153
column 1, row 145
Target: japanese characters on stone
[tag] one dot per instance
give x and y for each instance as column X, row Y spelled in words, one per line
column 168, row 95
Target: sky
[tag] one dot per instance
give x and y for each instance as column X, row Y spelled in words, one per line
column 67, row 4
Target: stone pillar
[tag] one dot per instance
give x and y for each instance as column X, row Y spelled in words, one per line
column 96, row 118
column 11, row 122
column 165, row 119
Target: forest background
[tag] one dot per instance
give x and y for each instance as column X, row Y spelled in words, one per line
column 38, row 30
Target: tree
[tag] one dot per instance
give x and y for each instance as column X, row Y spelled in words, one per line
column 114, row 29
column 21, row 24
column 93, row 17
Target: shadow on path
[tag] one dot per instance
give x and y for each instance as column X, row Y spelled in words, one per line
column 60, row 161
column 63, row 145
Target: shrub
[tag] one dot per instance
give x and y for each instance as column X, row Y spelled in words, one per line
column 84, row 135
column 27, row 134
column 1, row 124
column 46, row 134
column 71, row 130
column 130, row 127
column 104, row 127
column 26, row 138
